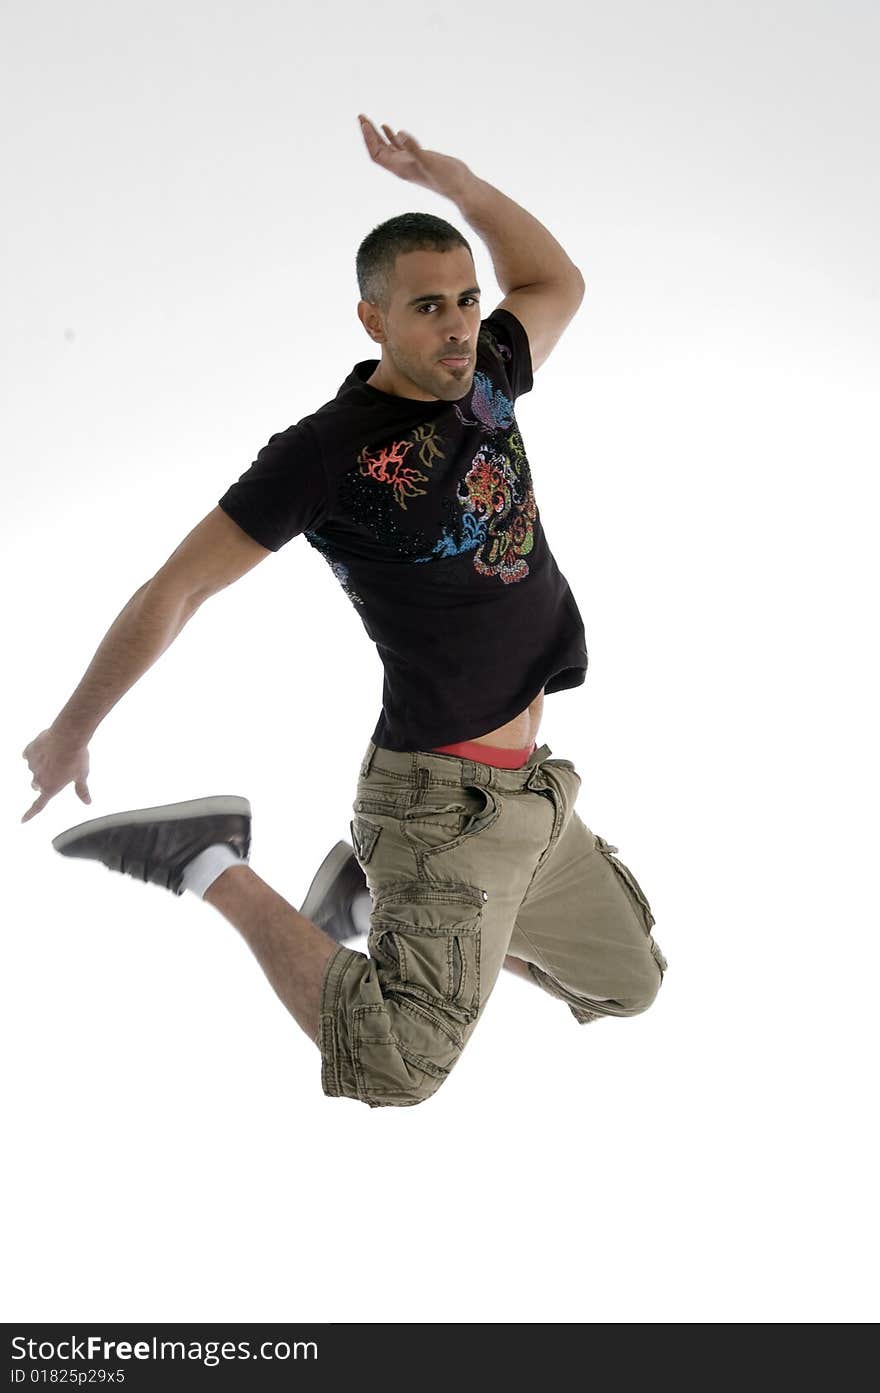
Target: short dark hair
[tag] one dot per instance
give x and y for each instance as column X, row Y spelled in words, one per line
column 409, row 232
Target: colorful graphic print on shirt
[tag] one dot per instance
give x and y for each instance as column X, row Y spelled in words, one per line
column 493, row 410
column 339, row 569
column 494, row 507
column 389, row 465
column 500, row 510
column 499, row 350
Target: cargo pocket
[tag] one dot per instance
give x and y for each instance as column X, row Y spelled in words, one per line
column 402, row 1066
column 425, row 939
column 636, row 895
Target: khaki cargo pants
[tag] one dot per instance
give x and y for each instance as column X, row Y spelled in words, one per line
column 466, row 863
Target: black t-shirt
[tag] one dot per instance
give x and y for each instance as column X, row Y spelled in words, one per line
column 425, row 511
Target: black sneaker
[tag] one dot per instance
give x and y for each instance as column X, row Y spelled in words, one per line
column 158, row 843
column 334, row 885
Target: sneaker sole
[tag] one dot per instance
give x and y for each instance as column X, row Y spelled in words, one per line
column 325, row 875
column 219, row 805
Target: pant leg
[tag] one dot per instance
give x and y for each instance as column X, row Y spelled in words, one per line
column 584, row 927
column 447, row 870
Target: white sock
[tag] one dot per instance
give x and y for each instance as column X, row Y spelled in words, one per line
column 360, row 911
column 204, row 869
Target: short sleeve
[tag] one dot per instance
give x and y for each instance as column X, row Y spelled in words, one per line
column 283, row 493
column 504, row 338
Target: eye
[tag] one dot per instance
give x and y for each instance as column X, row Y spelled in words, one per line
column 431, row 303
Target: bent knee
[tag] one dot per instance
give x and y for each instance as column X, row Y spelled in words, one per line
column 644, row 991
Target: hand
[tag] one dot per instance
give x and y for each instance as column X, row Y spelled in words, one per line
column 402, row 155
column 55, row 762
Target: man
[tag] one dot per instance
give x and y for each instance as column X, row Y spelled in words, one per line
column 414, row 484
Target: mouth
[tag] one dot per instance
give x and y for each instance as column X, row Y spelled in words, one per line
column 455, row 362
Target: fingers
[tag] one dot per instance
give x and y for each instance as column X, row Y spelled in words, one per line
column 369, row 132
column 401, row 140
column 53, row 763
column 374, row 141
column 36, row 807
column 39, row 804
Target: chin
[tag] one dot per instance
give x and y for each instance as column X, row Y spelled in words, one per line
column 455, row 379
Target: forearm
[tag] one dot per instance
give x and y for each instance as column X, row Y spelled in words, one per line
column 523, row 251
column 139, row 635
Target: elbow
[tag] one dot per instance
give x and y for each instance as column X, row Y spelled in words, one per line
column 165, row 591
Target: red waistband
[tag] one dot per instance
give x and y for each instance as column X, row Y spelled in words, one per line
column 495, row 755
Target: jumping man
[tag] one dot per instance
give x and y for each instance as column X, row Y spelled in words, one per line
column 467, row 853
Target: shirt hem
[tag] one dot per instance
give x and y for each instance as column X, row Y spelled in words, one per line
column 560, row 680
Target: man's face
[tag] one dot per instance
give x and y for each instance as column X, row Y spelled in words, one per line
column 434, row 314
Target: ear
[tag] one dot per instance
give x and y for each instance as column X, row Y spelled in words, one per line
column 369, row 317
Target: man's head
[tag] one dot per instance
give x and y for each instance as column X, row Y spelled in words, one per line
column 420, row 300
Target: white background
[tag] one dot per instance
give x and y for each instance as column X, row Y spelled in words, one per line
column 185, row 188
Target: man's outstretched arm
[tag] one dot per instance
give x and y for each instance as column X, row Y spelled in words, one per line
column 216, row 553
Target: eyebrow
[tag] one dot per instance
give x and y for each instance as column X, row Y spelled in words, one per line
column 419, row 299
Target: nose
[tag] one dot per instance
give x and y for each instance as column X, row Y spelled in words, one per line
column 458, row 343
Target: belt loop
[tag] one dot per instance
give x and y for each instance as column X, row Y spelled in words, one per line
column 468, row 772
column 482, row 774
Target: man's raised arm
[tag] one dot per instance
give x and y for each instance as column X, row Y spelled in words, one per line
column 216, row 553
